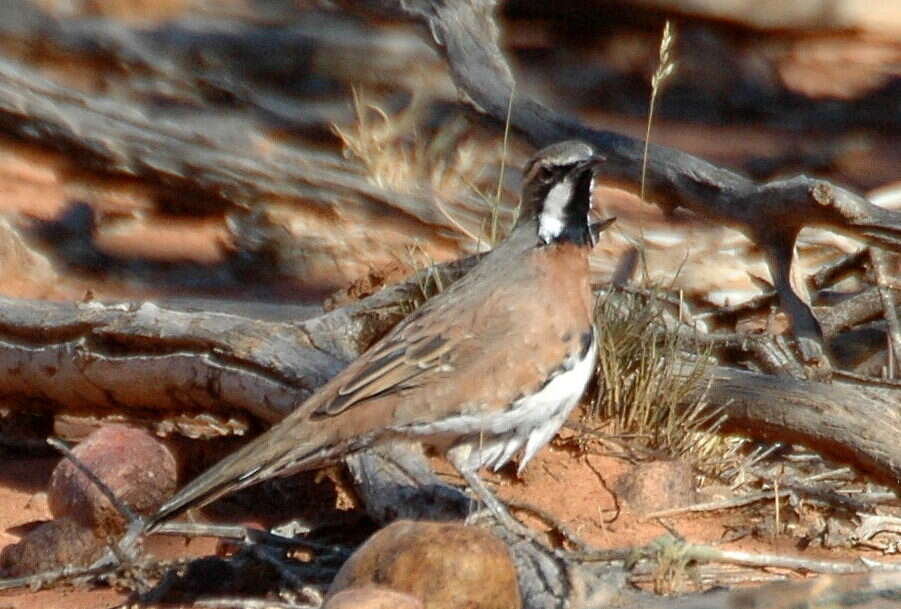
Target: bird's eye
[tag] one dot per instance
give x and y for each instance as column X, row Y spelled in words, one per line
column 544, row 173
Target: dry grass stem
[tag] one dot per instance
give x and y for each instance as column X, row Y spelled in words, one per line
column 666, row 67
column 429, row 284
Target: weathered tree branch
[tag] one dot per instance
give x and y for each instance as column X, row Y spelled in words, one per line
column 771, row 214
column 854, row 424
column 196, row 373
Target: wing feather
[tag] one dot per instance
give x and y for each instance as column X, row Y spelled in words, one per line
column 398, row 365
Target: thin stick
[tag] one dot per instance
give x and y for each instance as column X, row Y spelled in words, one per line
column 749, row 559
column 39, row 580
column 776, row 500
column 245, row 534
column 725, row 504
column 880, row 263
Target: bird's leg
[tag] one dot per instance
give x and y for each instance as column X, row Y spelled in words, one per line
column 491, row 502
column 497, row 509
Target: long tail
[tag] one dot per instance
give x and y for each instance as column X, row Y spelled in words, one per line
column 282, row 450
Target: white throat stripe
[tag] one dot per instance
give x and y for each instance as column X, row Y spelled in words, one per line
column 552, row 219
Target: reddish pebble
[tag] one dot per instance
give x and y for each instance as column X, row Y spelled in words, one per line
column 658, row 485
column 446, row 565
column 138, row 468
column 53, row 545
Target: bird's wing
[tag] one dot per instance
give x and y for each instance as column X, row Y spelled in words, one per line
column 402, row 362
column 404, row 359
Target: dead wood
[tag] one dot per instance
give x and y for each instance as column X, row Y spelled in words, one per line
column 177, row 367
column 246, row 61
column 876, row 590
column 205, row 369
column 771, row 213
column 856, row 424
column 200, row 373
column 838, row 418
column 191, row 372
column 203, row 160
column 208, row 165
column 207, row 160
column 208, row 371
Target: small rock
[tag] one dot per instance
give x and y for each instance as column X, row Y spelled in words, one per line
column 372, row 597
column 444, row 565
column 51, row 546
column 135, row 465
column 658, row 485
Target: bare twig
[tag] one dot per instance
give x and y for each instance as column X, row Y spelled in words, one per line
column 771, row 213
column 830, row 273
column 750, row 559
column 723, row 504
column 247, row 535
column 880, row 260
column 47, row 578
column 870, row 381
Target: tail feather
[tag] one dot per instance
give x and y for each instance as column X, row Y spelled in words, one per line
column 215, row 482
column 265, row 457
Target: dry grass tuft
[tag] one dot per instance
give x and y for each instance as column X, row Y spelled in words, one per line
column 675, row 573
column 451, row 163
column 641, row 392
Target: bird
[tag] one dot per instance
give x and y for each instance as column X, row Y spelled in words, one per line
column 486, row 370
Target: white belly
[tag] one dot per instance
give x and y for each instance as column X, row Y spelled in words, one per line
column 527, row 425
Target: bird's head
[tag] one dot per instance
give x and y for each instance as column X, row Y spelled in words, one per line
column 556, row 191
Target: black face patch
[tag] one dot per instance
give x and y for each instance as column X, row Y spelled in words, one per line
column 576, row 228
column 565, row 203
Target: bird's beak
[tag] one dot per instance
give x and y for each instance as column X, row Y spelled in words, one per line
column 596, row 228
column 594, row 160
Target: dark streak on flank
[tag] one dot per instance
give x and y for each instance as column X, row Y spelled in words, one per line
column 587, row 339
